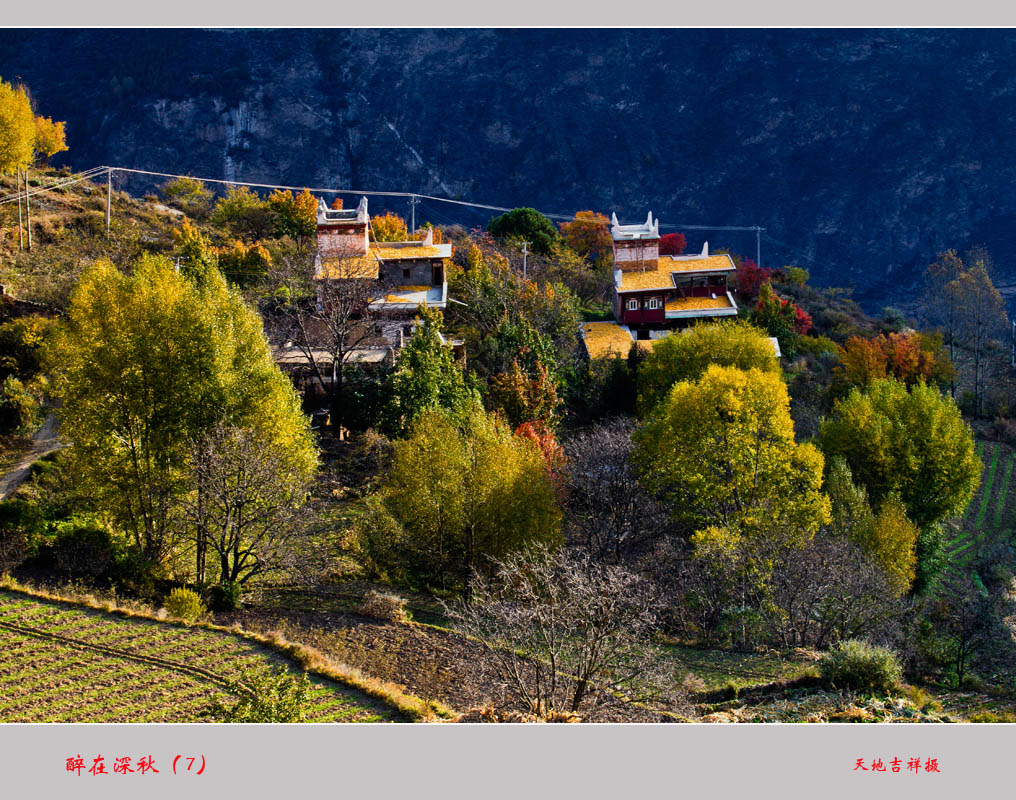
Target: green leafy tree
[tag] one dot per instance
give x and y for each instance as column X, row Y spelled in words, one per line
column 246, row 214
column 19, row 408
column 198, row 259
column 21, row 346
column 526, row 224
column 686, row 355
column 144, row 363
column 910, row 443
column 506, row 318
column 720, row 451
column 295, row 216
column 189, row 194
column 426, row 376
column 460, row 490
column 778, row 317
column 889, row 538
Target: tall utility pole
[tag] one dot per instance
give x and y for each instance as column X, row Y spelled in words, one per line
column 758, row 245
column 525, row 252
column 28, row 209
column 21, row 227
column 413, row 200
column 109, row 197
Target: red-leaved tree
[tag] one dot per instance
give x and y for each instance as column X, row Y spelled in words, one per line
column 672, row 244
column 553, row 453
column 750, row 277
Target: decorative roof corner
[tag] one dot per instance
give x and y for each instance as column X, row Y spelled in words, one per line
column 650, row 229
column 326, row 215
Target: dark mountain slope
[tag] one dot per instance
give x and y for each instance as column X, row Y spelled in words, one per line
column 863, row 152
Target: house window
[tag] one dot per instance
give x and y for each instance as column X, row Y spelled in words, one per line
column 633, row 304
column 654, row 303
column 405, row 274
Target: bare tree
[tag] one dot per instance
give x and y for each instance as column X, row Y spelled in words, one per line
column 981, row 315
column 827, row 591
column 328, row 316
column 244, row 505
column 609, row 513
column 942, row 307
column 569, row 635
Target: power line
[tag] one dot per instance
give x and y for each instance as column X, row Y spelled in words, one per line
column 409, row 195
column 413, row 197
column 81, row 176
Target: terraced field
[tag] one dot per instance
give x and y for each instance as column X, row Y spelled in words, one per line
column 991, row 514
column 61, row 663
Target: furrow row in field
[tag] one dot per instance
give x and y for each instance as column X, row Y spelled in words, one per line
column 61, row 663
column 1000, row 505
column 986, row 493
column 67, row 689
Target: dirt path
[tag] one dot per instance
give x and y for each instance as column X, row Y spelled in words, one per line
column 45, row 441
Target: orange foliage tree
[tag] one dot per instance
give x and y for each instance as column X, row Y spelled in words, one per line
column 421, row 234
column 389, row 227
column 553, row 453
column 588, row 235
column 523, row 398
column 907, row 357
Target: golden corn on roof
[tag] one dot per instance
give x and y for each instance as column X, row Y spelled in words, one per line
column 604, row 339
column 388, row 252
column 401, row 298
column 709, row 263
column 660, row 278
column 348, row 268
column 698, row 303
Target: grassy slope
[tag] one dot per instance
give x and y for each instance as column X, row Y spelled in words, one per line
column 146, row 671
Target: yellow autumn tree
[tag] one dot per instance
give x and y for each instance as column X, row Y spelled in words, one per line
column 389, row 227
column 686, row 355
column 50, row 137
column 17, row 129
column 721, row 450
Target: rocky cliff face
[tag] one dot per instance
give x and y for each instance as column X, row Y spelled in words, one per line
column 862, row 152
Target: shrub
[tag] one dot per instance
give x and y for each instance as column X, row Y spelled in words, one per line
column 225, row 596
column 272, row 697
column 84, row 547
column 860, row 666
column 19, row 410
column 13, row 548
column 383, row 605
column 991, row 716
column 185, row 604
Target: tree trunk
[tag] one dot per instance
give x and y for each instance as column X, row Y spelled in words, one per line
column 202, row 542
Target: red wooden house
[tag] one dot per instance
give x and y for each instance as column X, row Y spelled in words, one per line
column 653, row 291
